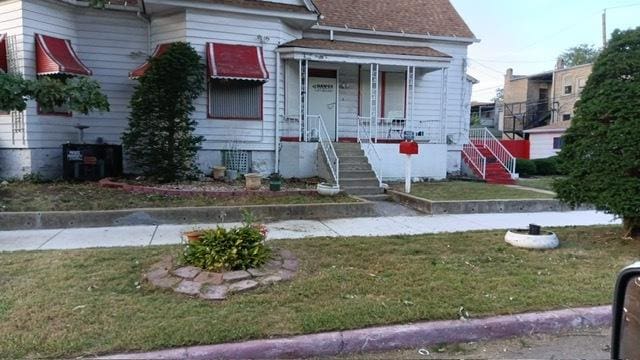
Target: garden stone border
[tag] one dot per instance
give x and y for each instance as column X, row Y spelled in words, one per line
column 481, row 206
column 195, row 282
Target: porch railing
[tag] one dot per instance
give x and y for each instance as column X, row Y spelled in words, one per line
column 370, row 151
column 484, row 137
column 384, row 128
column 328, row 149
column 474, row 158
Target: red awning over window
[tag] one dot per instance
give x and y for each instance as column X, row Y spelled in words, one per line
column 56, row 56
column 140, row 70
column 238, row 62
column 3, row 53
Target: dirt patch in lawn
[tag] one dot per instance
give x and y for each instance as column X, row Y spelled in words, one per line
column 63, row 196
column 87, row 302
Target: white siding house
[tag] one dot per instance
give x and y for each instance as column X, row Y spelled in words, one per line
column 318, row 66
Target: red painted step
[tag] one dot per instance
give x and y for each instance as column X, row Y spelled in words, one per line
column 495, row 172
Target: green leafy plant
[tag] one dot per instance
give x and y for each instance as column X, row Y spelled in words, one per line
column 526, row 167
column 601, row 156
column 546, row 167
column 80, row 94
column 223, row 249
column 160, row 138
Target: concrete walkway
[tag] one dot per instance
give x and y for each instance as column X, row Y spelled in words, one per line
column 295, row 229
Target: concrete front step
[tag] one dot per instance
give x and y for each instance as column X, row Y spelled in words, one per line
column 356, row 174
column 356, row 182
column 378, row 197
column 363, row 190
column 350, row 153
column 353, row 159
column 355, row 167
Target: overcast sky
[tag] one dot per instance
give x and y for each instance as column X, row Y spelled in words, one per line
column 528, row 35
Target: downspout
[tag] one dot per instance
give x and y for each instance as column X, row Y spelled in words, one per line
column 142, row 15
column 277, row 117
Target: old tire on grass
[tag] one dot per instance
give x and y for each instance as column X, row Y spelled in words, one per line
column 521, row 238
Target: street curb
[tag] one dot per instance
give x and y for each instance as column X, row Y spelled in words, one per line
column 391, row 337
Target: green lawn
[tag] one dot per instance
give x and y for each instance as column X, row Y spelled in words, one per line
column 60, row 196
column 87, row 302
column 467, row 190
column 543, row 183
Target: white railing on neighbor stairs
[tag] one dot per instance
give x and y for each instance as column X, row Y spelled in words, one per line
column 475, row 158
column 370, row 151
column 484, row 137
column 326, row 143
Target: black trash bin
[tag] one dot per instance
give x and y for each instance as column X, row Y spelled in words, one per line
column 91, row 162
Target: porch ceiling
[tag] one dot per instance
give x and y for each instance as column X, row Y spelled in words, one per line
column 363, row 53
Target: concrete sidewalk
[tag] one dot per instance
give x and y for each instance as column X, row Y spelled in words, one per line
column 296, row 229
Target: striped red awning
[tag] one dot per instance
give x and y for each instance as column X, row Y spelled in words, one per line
column 4, row 66
column 140, row 70
column 56, row 56
column 239, row 62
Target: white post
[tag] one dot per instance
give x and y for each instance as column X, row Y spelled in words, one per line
column 407, row 174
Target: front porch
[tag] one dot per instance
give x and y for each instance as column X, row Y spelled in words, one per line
column 363, row 97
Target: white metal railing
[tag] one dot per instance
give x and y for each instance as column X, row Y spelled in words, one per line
column 370, row 151
column 327, row 148
column 484, row 137
column 383, row 128
column 475, row 158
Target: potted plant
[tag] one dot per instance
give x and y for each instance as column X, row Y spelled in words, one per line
column 326, row 189
column 252, row 181
column 218, row 172
column 275, row 182
column 192, row 236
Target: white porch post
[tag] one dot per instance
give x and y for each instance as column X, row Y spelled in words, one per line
column 411, row 94
column 443, row 106
column 373, row 105
column 303, row 70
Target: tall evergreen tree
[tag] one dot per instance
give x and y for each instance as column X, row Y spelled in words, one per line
column 160, row 138
column 601, row 155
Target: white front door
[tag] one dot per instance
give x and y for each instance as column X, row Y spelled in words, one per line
column 323, row 101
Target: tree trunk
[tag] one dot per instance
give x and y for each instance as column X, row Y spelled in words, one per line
column 631, row 227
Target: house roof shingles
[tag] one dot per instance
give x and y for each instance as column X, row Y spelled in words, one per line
column 433, row 17
column 254, row 4
column 365, row 48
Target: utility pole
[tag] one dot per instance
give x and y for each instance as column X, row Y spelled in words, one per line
column 604, row 28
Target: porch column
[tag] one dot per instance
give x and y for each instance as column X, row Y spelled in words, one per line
column 373, row 105
column 411, row 95
column 303, row 71
column 443, row 105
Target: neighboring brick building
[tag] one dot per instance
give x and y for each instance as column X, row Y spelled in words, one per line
column 540, row 107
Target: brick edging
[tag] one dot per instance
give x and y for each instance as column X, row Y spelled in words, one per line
column 391, row 337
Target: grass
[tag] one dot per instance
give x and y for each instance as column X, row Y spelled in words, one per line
column 87, row 302
column 61, row 196
column 467, row 190
column 543, row 183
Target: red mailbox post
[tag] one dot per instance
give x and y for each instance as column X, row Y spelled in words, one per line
column 408, row 148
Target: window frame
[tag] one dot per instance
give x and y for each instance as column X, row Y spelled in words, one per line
column 41, row 111
column 209, row 104
column 570, row 88
column 566, row 117
column 558, row 143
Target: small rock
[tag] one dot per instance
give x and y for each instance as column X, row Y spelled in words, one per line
column 287, row 255
column 214, row 293
column 187, row 272
column 258, row 272
column 243, row 286
column 235, row 275
column 164, row 282
column 4, row 183
column 291, row 264
column 188, row 287
column 207, row 277
column 272, row 265
column 270, row 279
column 286, row 274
